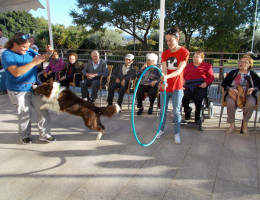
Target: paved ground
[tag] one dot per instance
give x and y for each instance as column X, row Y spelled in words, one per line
column 207, row 165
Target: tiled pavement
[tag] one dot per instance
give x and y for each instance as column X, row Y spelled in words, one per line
column 207, row 165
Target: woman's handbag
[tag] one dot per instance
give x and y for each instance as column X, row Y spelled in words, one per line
column 240, row 97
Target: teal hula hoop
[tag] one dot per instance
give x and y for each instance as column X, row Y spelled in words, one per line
column 133, row 106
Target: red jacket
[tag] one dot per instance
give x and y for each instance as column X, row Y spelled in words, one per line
column 203, row 71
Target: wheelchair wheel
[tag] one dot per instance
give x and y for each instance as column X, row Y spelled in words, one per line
column 210, row 109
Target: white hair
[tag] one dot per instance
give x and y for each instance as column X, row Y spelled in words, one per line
column 95, row 51
column 152, row 56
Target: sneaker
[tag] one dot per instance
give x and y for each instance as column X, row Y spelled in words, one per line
column 160, row 134
column 187, row 113
column 177, row 138
column 139, row 112
column 150, row 111
column 26, row 141
column 48, row 138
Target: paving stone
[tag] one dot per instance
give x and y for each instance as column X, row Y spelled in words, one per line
column 225, row 189
column 239, row 169
column 198, row 173
column 176, row 192
column 152, row 179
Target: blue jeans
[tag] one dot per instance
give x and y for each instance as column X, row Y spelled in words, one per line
column 176, row 104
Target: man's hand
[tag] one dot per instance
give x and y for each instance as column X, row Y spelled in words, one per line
column 117, row 81
column 90, row 75
column 123, row 82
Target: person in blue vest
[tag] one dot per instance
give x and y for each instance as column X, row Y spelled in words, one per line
column 20, row 64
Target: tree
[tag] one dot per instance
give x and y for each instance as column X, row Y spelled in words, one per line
column 134, row 17
column 12, row 22
column 226, row 19
column 217, row 22
column 188, row 15
column 107, row 40
column 75, row 36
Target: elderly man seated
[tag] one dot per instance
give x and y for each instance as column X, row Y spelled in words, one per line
column 121, row 75
column 95, row 68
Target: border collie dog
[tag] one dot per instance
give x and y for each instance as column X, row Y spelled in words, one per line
column 62, row 99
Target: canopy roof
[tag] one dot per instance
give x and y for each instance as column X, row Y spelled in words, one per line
column 19, row 5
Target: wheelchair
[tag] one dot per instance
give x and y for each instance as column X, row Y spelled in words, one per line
column 206, row 106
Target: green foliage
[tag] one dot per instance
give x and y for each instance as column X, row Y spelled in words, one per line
column 107, row 40
column 188, row 15
column 12, row 22
column 134, row 17
column 225, row 32
column 218, row 22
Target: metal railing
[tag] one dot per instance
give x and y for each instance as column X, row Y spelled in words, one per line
column 222, row 63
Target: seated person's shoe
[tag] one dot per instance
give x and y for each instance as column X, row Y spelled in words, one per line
column 26, row 141
column 187, row 113
column 109, row 104
column 150, row 111
column 246, row 132
column 230, row 130
column 139, row 112
column 197, row 120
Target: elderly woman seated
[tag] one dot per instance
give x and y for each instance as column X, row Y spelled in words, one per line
column 198, row 75
column 149, row 83
column 250, row 82
column 56, row 65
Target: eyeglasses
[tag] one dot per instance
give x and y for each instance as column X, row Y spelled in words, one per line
column 25, row 37
column 243, row 62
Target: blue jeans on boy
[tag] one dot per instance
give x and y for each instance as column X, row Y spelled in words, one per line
column 176, row 104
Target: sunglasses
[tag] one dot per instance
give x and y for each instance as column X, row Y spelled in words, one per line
column 25, row 36
column 172, row 32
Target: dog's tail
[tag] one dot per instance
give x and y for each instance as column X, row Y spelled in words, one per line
column 109, row 111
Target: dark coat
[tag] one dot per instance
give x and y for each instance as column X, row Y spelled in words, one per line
column 254, row 81
column 118, row 73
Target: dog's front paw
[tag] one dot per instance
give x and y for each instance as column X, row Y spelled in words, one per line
column 99, row 136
